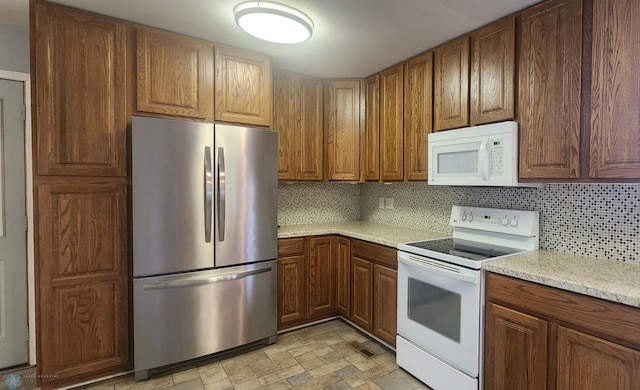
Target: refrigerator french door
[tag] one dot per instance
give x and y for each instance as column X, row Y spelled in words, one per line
column 204, row 239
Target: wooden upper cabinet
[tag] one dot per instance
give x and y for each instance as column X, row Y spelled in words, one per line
column 342, row 121
column 298, row 116
column 80, row 66
column 493, row 72
column 243, row 90
column 550, row 81
column 451, row 82
column 174, row 74
column 392, row 124
column 418, row 118
column 83, row 278
column 371, row 151
column 615, row 90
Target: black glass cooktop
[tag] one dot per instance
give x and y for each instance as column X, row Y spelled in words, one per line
column 471, row 250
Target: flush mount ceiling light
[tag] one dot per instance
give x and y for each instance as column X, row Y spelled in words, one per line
column 273, row 22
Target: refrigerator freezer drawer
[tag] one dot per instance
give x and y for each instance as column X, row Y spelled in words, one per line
column 185, row 316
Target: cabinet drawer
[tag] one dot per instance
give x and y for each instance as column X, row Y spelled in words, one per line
column 290, row 246
column 611, row 320
column 376, row 253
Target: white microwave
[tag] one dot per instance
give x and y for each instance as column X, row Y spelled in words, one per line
column 485, row 155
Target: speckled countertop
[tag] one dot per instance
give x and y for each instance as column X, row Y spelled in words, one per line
column 615, row 281
column 380, row 234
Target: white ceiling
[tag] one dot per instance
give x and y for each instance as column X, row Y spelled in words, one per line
column 352, row 38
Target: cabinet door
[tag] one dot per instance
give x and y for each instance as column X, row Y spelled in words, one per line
column 174, row 74
column 343, row 273
column 243, row 90
column 291, row 289
column 451, row 94
column 493, row 74
column 385, row 303
column 418, row 118
column 361, row 293
column 587, row 362
column 515, row 350
column 392, row 124
column 321, row 278
column 286, row 121
column 311, row 135
column 371, row 152
column 81, row 103
column 615, row 86
column 342, row 112
column 83, row 278
column 549, row 102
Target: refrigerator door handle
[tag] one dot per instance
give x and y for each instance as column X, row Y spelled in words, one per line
column 208, row 193
column 222, row 194
column 190, row 282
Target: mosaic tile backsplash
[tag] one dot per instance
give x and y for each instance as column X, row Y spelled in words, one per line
column 601, row 220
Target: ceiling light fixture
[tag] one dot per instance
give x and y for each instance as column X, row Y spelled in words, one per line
column 273, row 22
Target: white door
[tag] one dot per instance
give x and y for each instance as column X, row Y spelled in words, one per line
column 13, row 252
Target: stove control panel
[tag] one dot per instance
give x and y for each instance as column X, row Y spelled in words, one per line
column 518, row 222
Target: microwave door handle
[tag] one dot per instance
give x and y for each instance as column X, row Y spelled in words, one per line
column 483, row 160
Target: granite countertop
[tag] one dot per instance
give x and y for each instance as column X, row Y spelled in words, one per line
column 614, row 281
column 373, row 232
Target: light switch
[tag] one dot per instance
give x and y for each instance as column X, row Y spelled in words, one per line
column 381, row 202
column 389, row 203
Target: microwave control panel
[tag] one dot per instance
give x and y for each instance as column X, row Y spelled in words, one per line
column 518, row 222
column 496, row 148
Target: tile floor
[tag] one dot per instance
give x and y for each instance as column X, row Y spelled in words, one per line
column 316, row 357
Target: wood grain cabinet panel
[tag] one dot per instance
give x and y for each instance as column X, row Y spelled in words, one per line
column 243, row 87
column 82, row 262
column 343, row 277
column 550, row 80
column 371, row 151
column 451, row 85
column 615, row 90
column 321, row 298
column 80, row 67
column 493, row 72
column 418, row 115
column 385, row 303
column 516, row 350
column 361, row 293
column 291, row 288
column 342, row 132
column 586, row 362
column 298, row 119
column 392, row 124
column 174, row 74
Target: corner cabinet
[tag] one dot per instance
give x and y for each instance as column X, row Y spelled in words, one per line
column 298, row 118
column 493, row 72
column 80, row 67
column 418, row 115
column 343, row 129
column 392, row 124
column 550, row 90
column 174, row 74
column 451, row 85
column 615, row 86
column 243, row 87
column 371, row 150
column 539, row 337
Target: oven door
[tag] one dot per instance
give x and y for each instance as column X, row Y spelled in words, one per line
column 439, row 308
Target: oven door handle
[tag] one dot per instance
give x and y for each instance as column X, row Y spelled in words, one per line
column 441, row 269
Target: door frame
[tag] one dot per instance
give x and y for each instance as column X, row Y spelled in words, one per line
column 25, row 78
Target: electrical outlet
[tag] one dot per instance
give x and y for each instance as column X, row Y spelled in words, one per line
column 381, row 202
column 388, row 203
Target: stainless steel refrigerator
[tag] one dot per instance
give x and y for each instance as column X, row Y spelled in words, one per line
column 204, row 239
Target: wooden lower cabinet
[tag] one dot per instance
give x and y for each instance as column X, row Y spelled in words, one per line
column 539, row 337
column 343, row 277
column 82, row 273
column 306, row 280
column 361, row 293
column 385, row 303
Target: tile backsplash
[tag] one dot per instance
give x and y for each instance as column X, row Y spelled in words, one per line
column 601, row 220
